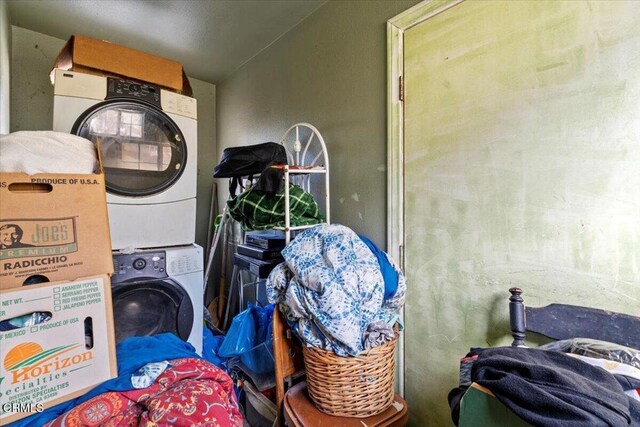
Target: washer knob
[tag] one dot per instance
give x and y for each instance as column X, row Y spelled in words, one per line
column 139, row 263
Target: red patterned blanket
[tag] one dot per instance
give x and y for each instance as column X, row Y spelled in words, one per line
column 192, row 392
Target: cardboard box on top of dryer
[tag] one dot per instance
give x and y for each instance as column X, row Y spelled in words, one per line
column 91, row 56
column 53, row 226
column 61, row 346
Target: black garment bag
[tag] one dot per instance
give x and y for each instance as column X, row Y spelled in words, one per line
column 252, row 160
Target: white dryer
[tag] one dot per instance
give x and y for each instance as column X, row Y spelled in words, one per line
column 148, row 142
column 157, row 291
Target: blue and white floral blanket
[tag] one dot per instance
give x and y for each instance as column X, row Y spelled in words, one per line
column 333, row 289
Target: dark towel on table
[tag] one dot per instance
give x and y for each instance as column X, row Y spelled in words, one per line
column 547, row 388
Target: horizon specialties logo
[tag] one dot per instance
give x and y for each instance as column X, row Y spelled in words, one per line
column 29, row 361
column 33, row 374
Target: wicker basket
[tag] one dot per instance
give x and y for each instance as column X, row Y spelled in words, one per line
column 353, row 386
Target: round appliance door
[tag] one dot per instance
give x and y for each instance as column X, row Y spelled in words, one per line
column 143, row 150
column 150, row 308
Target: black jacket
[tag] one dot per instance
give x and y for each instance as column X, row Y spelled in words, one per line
column 548, row 388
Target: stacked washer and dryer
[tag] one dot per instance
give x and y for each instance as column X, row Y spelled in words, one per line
column 148, row 144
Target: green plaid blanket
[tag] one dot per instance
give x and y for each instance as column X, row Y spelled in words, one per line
column 258, row 211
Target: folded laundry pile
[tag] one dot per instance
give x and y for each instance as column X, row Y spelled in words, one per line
column 338, row 292
column 550, row 388
column 33, row 152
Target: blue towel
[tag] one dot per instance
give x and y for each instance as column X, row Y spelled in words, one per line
column 132, row 354
column 389, row 274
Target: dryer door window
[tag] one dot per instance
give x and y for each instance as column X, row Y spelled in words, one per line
column 143, row 151
column 151, row 308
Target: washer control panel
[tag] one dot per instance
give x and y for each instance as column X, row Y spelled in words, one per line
column 127, row 267
column 117, row 88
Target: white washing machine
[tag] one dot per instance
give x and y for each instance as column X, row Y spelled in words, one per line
column 157, row 291
column 148, row 142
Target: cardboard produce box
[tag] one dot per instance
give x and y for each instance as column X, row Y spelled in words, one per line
column 44, row 364
column 53, row 225
column 91, row 56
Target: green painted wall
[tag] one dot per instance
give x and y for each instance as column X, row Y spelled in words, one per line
column 5, row 56
column 33, row 55
column 522, row 169
column 329, row 71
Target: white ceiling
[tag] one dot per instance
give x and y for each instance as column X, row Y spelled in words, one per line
column 211, row 38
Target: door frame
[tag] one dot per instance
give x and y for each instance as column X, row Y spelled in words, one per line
column 396, row 27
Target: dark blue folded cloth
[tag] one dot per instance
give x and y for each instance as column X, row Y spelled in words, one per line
column 549, row 388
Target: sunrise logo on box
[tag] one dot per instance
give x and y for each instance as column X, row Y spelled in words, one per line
column 29, row 361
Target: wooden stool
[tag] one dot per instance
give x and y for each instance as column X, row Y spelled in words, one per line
column 299, row 411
